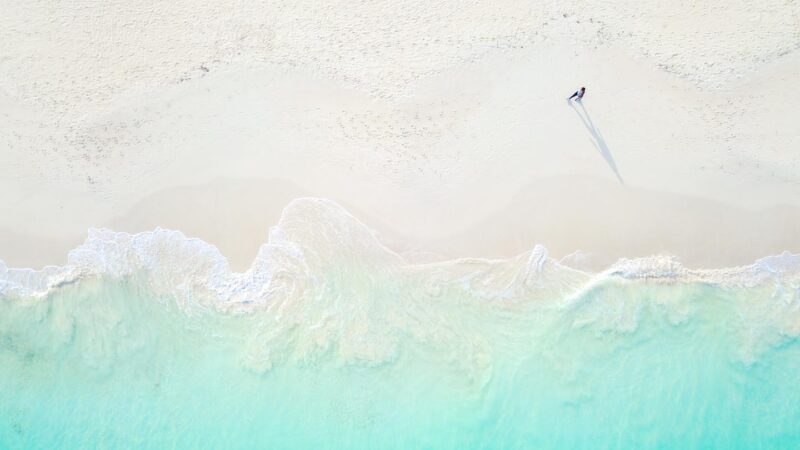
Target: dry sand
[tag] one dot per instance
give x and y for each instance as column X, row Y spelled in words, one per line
column 443, row 126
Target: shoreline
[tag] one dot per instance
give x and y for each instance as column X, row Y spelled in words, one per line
column 591, row 222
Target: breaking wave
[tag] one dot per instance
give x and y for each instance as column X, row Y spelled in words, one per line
column 330, row 339
column 316, row 237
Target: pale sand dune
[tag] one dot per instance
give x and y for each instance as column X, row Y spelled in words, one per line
column 427, row 120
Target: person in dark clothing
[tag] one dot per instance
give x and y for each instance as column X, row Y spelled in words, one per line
column 578, row 95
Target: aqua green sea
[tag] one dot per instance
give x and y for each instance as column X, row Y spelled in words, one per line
column 361, row 354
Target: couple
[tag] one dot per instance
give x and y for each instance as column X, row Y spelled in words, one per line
column 578, row 95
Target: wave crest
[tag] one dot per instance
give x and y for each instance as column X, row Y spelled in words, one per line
column 316, row 239
column 323, row 285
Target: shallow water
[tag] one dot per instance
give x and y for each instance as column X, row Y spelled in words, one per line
column 335, row 342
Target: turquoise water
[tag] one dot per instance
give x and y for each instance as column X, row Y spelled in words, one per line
column 109, row 364
column 332, row 341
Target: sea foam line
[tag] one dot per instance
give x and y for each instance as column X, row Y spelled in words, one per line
column 314, row 236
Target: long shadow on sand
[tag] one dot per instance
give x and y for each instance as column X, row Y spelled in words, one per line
column 597, row 138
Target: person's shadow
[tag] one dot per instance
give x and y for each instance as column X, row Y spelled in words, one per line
column 597, row 138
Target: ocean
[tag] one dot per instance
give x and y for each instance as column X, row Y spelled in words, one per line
column 331, row 340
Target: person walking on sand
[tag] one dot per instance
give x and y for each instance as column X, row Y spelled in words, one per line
column 578, row 95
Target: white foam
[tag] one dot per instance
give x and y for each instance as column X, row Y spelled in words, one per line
column 326, row 285
column 315, row 239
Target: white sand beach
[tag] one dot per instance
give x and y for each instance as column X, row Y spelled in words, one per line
column 442, row 125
